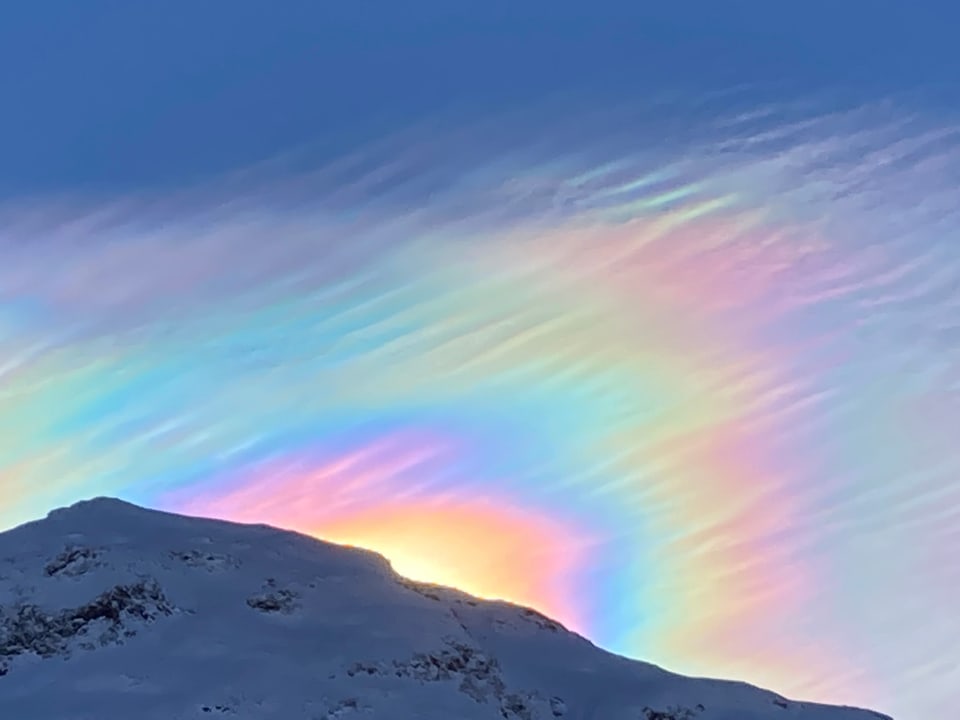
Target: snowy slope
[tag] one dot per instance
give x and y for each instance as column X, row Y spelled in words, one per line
column 109, row 611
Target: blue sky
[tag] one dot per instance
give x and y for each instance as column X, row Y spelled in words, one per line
column 113, row 95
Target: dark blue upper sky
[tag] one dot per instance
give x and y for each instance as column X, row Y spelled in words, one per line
column 114, row 94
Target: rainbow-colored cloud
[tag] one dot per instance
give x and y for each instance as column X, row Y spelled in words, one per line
column 698, row 404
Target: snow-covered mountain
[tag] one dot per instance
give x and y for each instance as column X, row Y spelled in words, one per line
column 109, row 611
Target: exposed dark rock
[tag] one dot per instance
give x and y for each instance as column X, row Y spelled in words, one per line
column 26, row 628
column 344, row 708
column 672, row 713
column 274, row 599
column 73, row 561
column 210, row 561
column 222, row 709
column 516, row 707
column 478, row 674
column 427, row 590
column 540, row 620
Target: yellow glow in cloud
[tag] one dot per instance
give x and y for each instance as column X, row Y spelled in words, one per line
column 484, row 550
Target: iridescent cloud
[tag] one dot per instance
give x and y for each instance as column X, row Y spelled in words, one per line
column 696, row 403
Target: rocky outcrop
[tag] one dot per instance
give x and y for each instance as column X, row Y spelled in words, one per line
column 108, row 618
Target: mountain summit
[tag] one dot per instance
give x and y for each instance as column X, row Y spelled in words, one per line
column 109, row 611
